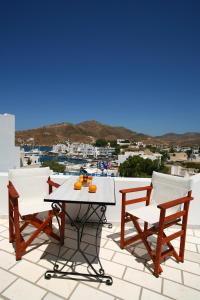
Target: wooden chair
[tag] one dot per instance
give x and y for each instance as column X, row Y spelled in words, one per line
column 167, row 202
column 27, row 189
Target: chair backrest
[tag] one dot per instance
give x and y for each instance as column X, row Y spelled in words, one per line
column 168, row 187
column 30, row 182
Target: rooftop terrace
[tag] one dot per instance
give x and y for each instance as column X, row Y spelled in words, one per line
column 130, row 269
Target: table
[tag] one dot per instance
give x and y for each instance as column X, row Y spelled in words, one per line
column 97, row 204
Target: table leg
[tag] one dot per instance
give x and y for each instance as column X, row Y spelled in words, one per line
column 96, row 275
column 104, row 220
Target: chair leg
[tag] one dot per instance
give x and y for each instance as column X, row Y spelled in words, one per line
column 11, row 227
column 158, row 254
column 183, row 237
column 157, row 267
column 122, row 241
column 50, row 222
column 123, row 214
column 62, row 227
column 17, row 234
column 145, row 226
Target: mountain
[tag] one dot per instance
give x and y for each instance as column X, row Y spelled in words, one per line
column 87, row 131
column 184, row 139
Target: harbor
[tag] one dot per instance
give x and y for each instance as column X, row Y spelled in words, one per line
column 35, row 156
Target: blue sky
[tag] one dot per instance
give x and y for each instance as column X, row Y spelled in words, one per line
column 129, row 63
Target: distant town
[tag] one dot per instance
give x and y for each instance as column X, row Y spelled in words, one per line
column 101, row 157
column 104, row 157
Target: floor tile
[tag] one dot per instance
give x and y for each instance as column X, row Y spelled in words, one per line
column 89, row 293
column 5, row 234
column 54, row 248
column 122, row 289
column 169, row 273
column 112, row 268
column 3, row 221
column 128, row 260
column 7, row 260
column 103, row 253
column 114, row 246
column 186, row 266
column 72, row 243
column 147, row 295
column 47, row 261
column 193, row 239
column 90, row 239
column 197, row 232
column 70, row 234
column 188, row 246
column 6, row 279
column 5, row 245
column 192, row 256
column 28, row 270
column 22, row 289
column 82, row 268
column 191, row 280
column 179, row 291
column 51, row 296
column 143, row 279
column 61, row 287
column 34, row 255
column 2, row 229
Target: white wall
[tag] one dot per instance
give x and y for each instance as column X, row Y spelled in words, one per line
column 9, row 154
column 113, row 212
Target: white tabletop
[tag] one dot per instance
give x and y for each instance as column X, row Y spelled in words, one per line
column 105, row 193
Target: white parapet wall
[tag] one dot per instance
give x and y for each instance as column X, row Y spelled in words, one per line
column 113, row 213
column 9, row 154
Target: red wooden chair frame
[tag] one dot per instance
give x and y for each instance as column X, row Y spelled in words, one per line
column 164, row 222
column 15, row 220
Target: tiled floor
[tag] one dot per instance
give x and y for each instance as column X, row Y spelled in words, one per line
column 130, row 269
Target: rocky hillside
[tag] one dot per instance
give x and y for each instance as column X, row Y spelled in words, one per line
column 185, row 139
column 87, row 131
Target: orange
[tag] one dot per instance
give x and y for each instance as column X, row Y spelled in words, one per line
column 89, row 181
column 92, row 188
column 77, row 185
column 90, row 177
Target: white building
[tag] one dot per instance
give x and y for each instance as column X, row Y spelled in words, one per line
column 81, row 149
column 28, row 158
column 123, row 157
column 123, row 142
column 104, row 151
column 60, row 148
column 9, row 154
column 181, row 171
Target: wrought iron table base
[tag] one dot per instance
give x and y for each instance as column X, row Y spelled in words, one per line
column 103, row 222
column 96, row 275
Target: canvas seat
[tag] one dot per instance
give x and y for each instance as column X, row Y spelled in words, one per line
column 27, row 189
column 33, row 205
column 166, row 202
column 150, row 214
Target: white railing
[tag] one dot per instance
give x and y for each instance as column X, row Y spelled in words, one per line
column 113, row 212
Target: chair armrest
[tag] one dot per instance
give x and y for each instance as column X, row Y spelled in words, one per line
column 138, row 189
column 12, row 191
column 52, row 183
column 136, row 200
column 173, row 203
